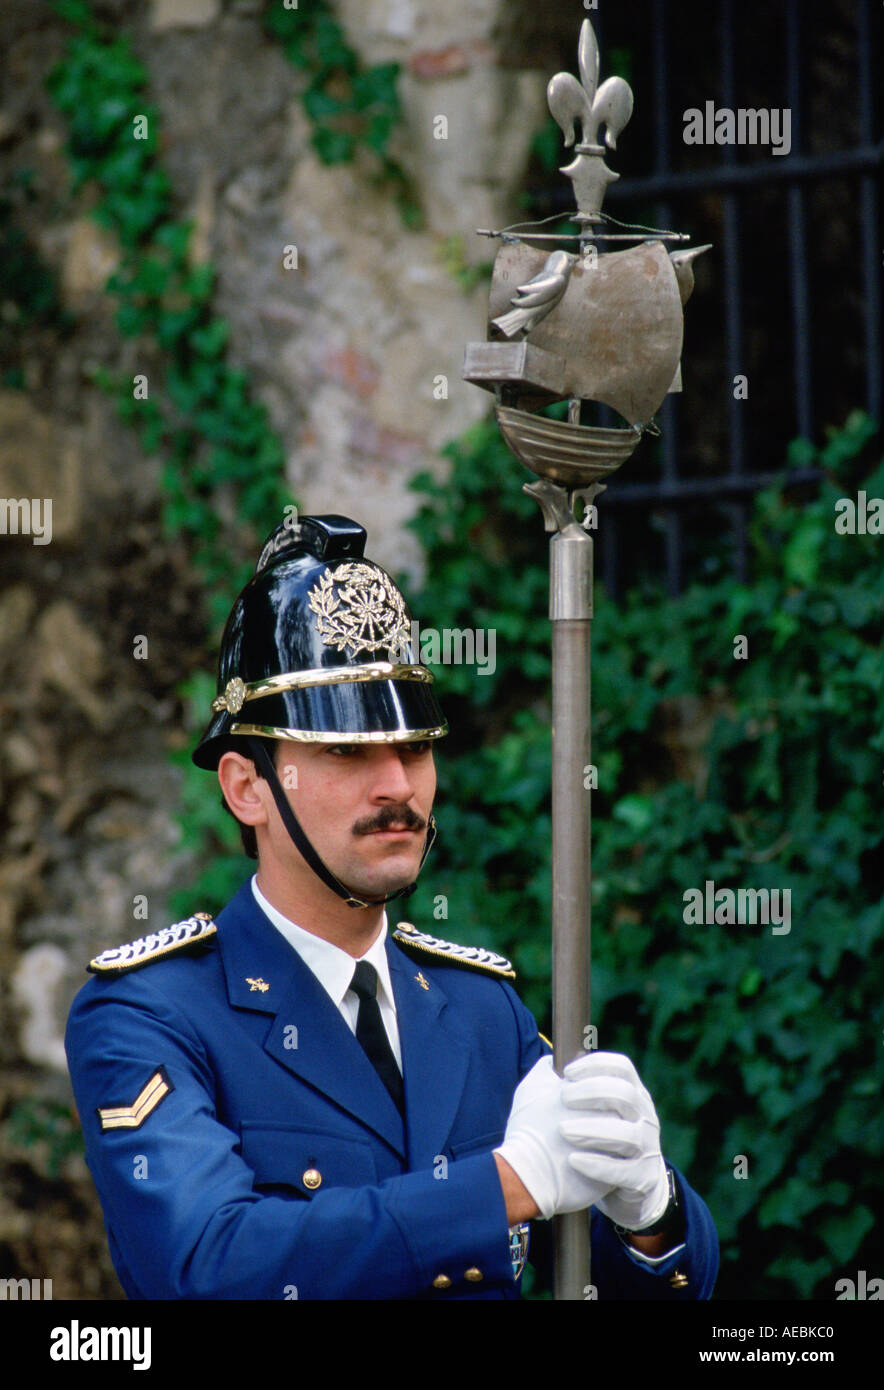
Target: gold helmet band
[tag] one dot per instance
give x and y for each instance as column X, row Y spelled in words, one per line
column 237, row 692
column 335, row 736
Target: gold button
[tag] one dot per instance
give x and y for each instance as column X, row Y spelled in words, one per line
column 678, row 1281
column 312, row 1178
column 474, row 1275
column 441, row 1281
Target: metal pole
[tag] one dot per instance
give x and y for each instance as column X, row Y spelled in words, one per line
column 571, row 614
column 554, row 321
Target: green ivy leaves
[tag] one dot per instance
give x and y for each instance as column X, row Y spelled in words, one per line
column 196, row 398
column 351, row 107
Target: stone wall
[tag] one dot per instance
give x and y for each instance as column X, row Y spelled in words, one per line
column 347, row 351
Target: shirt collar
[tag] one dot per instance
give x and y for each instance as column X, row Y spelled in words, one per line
column 332, row 967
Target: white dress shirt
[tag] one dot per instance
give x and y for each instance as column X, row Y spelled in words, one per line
column 334, row 968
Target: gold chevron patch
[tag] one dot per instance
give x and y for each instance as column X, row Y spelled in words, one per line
column 133, row 1116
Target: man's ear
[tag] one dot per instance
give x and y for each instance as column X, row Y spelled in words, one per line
column 244, row 791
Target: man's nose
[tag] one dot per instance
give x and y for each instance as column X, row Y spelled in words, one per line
column 392, row 781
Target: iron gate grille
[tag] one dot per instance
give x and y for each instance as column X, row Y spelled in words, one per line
column 809, row 218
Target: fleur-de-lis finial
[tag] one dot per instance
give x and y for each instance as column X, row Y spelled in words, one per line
column 608, row 105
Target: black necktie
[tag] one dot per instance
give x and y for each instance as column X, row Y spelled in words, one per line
column 372, row 1034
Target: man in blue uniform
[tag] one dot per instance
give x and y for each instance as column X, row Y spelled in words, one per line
column 292, row 1101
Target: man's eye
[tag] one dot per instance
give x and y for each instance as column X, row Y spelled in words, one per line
column 419, row 747
column 344, row 750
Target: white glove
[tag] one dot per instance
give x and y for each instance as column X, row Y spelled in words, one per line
column 614, row 1127
column 534, row 1148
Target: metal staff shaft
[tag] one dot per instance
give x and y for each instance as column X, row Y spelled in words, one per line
column 571, row 614
column 578, row 327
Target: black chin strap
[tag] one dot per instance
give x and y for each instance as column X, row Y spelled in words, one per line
column 264, row 763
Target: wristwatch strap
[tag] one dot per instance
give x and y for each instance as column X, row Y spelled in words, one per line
column 672, row 1219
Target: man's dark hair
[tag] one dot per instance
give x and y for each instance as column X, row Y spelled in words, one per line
column 247, row 832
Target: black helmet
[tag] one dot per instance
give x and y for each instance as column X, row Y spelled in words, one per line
column 318, row 649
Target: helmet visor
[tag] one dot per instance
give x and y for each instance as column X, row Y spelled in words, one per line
column 352, row 711
column 377, row 711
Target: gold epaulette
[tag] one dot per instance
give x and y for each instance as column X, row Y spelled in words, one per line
column 450, row 953
column 193, row 931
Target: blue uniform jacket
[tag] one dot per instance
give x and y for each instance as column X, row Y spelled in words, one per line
column 244, row 1147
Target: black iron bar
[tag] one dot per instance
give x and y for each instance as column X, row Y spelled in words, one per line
column 870, row 220
column 673, row 536
column 801, row 358
column 722, row 177
column 693, row 489
column 733, row 304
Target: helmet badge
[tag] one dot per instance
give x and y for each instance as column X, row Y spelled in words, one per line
column 234, row 696
column 359, row 608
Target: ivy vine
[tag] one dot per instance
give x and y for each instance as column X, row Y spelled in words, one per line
column 221, row 457
column 199, row 415
column 352, row 106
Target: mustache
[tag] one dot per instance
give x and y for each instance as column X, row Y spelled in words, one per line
column 401, row 815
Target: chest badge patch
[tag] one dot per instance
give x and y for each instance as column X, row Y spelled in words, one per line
column 148, row 1098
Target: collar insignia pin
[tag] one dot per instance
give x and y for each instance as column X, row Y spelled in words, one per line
column 421, row 981
column 256, row 984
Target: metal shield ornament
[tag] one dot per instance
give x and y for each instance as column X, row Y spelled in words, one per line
column 617, row 331
column 577, row 325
